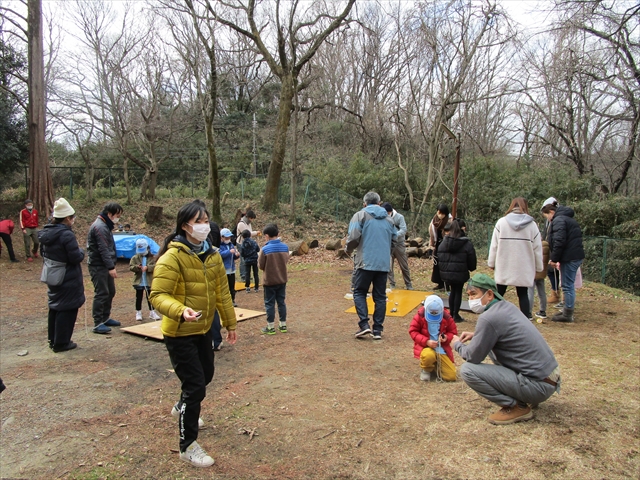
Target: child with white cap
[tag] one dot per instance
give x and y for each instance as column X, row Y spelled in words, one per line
column 432, row 329
column 142, row 264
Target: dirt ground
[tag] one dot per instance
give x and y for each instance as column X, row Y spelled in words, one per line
column 312, row 403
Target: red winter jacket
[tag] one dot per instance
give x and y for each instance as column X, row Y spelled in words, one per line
column 6, row 226
column 28, row 219
column 420, row 332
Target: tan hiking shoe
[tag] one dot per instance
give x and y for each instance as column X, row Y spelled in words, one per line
column 509, row 415
column 553, row 297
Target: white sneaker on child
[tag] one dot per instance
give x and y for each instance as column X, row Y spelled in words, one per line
column 139, row 315
column 153, row 315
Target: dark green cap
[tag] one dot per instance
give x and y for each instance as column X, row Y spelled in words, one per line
column 485, row 282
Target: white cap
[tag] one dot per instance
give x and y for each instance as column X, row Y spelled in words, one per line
column 550, row 201
column 62, row 209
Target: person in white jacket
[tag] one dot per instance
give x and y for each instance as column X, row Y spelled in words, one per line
column 516, row 252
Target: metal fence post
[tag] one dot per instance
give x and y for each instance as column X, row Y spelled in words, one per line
column 71, row 182
column 604, row 261
column 306, row 193
column 110, row 193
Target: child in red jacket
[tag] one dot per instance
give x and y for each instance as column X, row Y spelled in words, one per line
column 432, row 334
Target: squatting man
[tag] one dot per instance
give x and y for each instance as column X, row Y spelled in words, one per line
column 525, row 371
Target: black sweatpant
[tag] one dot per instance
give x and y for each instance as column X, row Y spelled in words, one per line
column 231, row 278
column 105, row 289
column 139, row 295
column 248, row 267
column 523, row 298
column 61, row 325
column 7, row 241
column 192, row 358
column 455, row 298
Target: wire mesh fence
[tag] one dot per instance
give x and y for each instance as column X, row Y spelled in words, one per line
column 612, row 261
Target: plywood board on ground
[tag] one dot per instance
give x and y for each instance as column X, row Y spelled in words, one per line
column 240, row 286
column 152, row 329
column 463, row 306
column 403, row 301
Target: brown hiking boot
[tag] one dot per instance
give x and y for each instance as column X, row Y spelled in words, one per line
column 509, row 415
column 553, row 297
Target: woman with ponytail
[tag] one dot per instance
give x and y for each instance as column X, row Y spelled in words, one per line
column 189, row 285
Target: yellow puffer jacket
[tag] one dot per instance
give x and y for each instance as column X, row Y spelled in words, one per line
column 181, row 279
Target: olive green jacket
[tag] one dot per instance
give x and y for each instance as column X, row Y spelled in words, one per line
column 184, row 279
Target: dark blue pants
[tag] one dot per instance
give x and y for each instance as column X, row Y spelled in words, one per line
column 216, row 330
column 363, row 279
column 248, row 267
column 192, row 359
column 275, row 294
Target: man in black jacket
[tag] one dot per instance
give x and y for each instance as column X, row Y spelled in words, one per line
column 565, row 242
column 101, row 249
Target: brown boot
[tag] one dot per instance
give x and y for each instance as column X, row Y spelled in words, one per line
column 509, row 415
column 553, row 297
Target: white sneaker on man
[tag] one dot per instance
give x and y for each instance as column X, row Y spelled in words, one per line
column 176, row 413
column 153, row 315
column 196, row 456
column 139, row 315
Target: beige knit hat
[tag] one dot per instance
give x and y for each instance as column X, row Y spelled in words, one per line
column 62, row 209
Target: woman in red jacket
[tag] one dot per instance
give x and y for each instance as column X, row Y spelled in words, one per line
column 432, row 345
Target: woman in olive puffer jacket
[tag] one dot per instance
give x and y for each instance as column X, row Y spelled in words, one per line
column 189, row 284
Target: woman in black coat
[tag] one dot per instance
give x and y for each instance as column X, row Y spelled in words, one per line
column 58, row 242
column 456, row 257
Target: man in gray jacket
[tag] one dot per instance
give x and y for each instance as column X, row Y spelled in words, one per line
column 101, row 250
column 398, row 248
column 524, row 369
column 370, row 234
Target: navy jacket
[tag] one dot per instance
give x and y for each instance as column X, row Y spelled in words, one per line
column 58, row 242
column 565, row 237
column 456, row 257
column 250, row 249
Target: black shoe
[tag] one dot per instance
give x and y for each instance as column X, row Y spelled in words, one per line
column 376, row 335
column 438, row 287
column 362, row 332
column 15, row 260
column 64, row 347
column 457, row 318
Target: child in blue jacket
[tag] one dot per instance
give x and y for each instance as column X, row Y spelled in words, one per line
column 229, row 254
column 249, row 254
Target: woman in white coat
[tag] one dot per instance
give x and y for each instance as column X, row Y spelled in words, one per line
column 516, row 252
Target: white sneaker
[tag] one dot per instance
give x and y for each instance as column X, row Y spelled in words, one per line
column 176, row 413
column 153, row 315
column 425, row 376
column 139, row 315
column 196, row 456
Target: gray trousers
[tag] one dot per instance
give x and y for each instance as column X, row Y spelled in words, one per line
column 539, row 286
column 503, row 386
column 32, row 234
column 104, row 290
column 400, row 253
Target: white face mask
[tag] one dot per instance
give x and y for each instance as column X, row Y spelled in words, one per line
column 200, row 231
column 115, row 220
column 476, row 304
column 226, row 240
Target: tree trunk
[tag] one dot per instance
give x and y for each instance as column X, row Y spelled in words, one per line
column 153, row 182
column 294, row 159
column 299, row 248
column 89, row 182
column 40, row 184
column 144, row 185
column 154, row 214
column 127, row 185
column 270, row 201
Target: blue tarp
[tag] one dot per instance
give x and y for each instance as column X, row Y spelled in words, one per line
column 126, row 244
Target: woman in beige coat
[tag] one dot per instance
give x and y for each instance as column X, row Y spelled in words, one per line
column 516, row 252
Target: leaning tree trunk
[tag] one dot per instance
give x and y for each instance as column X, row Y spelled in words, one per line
column 153, row 182
column 127, row 184
column 270, row 201
column 40, row 184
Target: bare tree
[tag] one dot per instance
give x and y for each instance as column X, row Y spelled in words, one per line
column 299, row 35
column 40, row 185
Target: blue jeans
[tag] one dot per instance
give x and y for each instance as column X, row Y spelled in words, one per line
column 568, row 279
column 275, row 294
column 362, row 281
